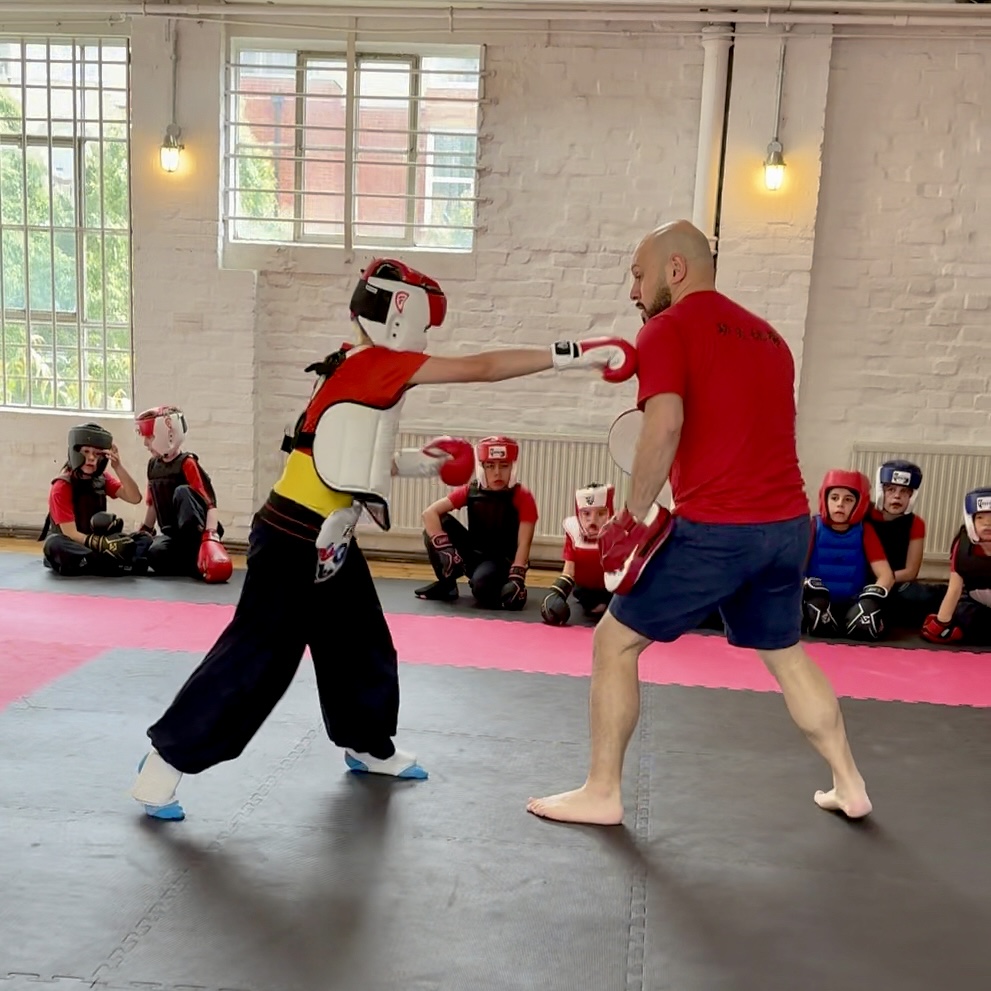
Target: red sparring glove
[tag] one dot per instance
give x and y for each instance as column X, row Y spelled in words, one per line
column 451, row 458
column 936, row 631
column 213, row 561
column 626, row 545
column 617, row 358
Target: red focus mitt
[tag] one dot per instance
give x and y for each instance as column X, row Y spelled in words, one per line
column 213, row 561
column 627, row 544
column 617, row 358
column 452, row 458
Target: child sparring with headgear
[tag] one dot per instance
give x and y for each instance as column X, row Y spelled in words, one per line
column 87, row 538
column 839, row 600
column 180, row 498
column 582, row 574
column 965, row 612
column 494, row 549
column 902, row 533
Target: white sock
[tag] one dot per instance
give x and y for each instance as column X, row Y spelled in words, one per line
column 400, row 764
column 157, row 781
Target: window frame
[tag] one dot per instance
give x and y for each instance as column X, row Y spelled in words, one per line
column 334, row 254
column 78, row 318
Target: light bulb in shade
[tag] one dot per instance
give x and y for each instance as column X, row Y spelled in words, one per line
column 171, row 148
column 774, row 167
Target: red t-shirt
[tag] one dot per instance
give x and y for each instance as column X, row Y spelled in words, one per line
column 588, row 564
column 873, row 547
column 194, row 479
column 60, row 499
column 737, row 460
column 916, row 530
column 523, row 502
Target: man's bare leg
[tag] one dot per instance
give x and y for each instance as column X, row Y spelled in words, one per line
column 614, row 708
column 815, row 710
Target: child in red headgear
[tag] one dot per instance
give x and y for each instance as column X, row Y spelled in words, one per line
column 494, row 549
column 582, row 573
column 838, row 599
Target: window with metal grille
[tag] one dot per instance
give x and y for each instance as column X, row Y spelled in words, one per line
column 379, row 151
column 65, row 230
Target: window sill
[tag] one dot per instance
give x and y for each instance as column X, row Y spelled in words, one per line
column 331, row 260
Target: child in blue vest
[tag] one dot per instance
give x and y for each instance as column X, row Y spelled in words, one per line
column 965, row 612
column 848, row 576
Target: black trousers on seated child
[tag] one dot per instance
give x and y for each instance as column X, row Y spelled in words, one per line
column 974, row 619
column 487, row 568
column 589, row 598
column 175, row 550
column 908, row 604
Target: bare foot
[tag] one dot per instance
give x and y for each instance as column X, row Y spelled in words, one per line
column 579, row 805
column 853, row 802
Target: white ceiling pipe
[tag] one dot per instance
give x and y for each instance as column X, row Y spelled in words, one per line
column 892, row 12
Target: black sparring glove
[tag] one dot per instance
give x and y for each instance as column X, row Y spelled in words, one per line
column 816, row 609
column 117, row 546
column 863, row 621
column 451, row 564
column 514, row 591
column 106, row 523
column 555, row 609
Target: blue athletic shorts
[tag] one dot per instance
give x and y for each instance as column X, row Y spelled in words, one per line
column 752, row 573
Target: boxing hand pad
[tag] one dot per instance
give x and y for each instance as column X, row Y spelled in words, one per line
column 213, row 562
column 617, row 358
column 626, row 546
column 452, row 458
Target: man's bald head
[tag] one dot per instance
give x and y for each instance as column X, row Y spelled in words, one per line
column 670, row 262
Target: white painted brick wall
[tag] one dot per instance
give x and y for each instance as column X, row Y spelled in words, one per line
column 592, row 142
column 898, row 343
column 590, row 149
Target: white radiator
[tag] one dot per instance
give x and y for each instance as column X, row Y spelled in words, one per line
column 551, row 467
column 948, row 474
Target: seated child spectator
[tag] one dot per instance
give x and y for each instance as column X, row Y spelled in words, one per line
column 902, row 533
column 843, row 555
column 965, row 612
column 494, row 549
column 582, row 572
column 181, row 500
column 88, row 539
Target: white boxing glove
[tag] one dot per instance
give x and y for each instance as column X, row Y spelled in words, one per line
column 617, row 358
column 334, row 540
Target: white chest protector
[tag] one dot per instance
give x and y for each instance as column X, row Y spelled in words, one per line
column 353, row 450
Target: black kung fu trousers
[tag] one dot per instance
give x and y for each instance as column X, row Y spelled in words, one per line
column 282, row 610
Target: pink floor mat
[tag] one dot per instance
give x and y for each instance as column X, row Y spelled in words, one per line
column 50, row 634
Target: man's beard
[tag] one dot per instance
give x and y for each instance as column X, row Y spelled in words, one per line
column 660, row 302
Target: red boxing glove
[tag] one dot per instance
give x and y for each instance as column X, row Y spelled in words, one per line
column 459, row 465
column 452, row 458
column 213, row 561
column 936, row 631
column 616, row 357
column 626, row 545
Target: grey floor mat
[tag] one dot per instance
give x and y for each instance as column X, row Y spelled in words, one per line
column 292, row 875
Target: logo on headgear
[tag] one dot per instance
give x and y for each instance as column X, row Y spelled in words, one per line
column 497, row 453
column 983, row 504
column 401, row 298
column 901, row 478
column 589, row 499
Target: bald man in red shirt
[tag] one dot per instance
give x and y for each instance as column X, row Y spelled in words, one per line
column 716, row 388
